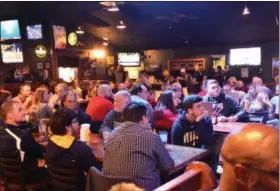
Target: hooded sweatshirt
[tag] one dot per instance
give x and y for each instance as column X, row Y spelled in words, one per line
column 65, row 149
column 229, row 106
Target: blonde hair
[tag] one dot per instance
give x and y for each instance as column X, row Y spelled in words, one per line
column 39, row 94
column 126, row 187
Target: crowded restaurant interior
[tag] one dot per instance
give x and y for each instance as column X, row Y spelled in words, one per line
column 139, row 96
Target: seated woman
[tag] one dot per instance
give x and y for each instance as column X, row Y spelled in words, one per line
column 39, row 110
column 165, row 110
column 262, row 104
column 63, row 148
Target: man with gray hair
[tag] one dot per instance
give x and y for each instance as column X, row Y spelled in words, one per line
column 100, row 105
column 114, row 117
column 61, row 91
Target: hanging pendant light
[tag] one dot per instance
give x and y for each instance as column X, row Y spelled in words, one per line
column 79, row 30
column 246, row 10
column 121, row 25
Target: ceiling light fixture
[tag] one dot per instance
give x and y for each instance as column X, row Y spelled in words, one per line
column 79, row 30
column 246, row 10
column 105, row 43
column 113, row 7
column 104, row 38
column 121, row 25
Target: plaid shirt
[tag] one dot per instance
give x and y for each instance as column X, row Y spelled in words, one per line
column 138, row 153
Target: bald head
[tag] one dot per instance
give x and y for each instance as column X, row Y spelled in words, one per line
column 104, row 90
column 251, row 159
column 257, row 81
column 122, row 86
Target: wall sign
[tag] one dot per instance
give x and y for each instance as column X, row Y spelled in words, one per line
column 40, row 51
column 188, row 64
column 39, row 65
column 72, row 39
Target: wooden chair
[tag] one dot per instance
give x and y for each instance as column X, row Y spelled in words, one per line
column 12, row 173
column 63, row 175
column 198, row 176
column 96, row 181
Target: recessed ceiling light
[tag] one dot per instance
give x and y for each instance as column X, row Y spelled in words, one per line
column 121, row 25
column 80, row 31
column 105, row 43
column 104, row 38
column 113, row 7
column 246, row 10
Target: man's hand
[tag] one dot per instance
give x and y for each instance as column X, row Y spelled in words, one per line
column 222, row 119
column 199, row 118
column 232, row 119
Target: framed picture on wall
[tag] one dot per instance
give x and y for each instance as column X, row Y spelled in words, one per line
column 188, row 64
column 218, row 60
column 275, row 67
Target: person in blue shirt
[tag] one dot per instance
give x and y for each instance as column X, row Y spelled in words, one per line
column 193, row 127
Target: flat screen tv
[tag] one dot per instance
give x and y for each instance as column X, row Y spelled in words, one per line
column 245, row 56
column 12, row 53
column 10, row 30
column 129, row 59
column 34, row 32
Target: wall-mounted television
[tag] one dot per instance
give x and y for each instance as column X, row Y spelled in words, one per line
column 34, row 32
column 245, row 56
column 12, row 53
column 129, row 59
column 10, row 30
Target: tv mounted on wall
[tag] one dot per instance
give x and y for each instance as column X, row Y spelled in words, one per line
column 12, row 53
column 34, row 32
column 129, row 59
column 10, row 30
column 245, row 56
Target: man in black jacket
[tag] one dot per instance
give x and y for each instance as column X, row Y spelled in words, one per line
column 114, row 117
column 224, row 106
column 14, row 137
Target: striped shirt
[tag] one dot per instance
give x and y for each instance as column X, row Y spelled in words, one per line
column 135, row 152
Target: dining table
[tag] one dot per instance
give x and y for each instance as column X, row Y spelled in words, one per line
column 228, row 127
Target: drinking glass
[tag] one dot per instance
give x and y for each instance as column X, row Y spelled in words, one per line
column 163, row 136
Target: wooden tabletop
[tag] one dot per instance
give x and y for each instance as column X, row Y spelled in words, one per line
column 228, row 127
column 182, row 155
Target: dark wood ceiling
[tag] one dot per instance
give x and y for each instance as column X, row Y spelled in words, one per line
column 197, row 23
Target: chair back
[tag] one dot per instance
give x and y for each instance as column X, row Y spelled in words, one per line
column 11, row 167
column 197, row 176
column 102, row 182
column 63, row 174
column 258, row 117
column 189, row 181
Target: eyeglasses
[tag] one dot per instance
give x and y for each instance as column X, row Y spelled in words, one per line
column 273, row 173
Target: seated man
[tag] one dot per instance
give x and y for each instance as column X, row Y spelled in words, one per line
column 56, row 100
column 140, row 95
column 251, row 159
column 64, row 148
column 224, row 106
column 14, row 137
column 100, row 105
column 193, row 127
column 24, row 96
column 71, row 102
column 115, row 116
column 133, row 150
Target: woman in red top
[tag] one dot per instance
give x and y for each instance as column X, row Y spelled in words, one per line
column 165, row 110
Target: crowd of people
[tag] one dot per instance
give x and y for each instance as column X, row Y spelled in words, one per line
column 129, row 113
